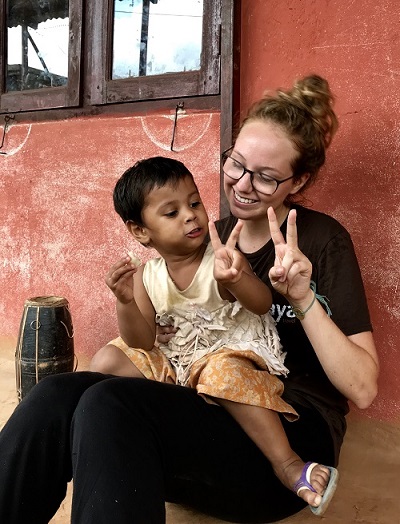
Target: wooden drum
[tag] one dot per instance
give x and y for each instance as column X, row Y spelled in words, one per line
column 45, row 342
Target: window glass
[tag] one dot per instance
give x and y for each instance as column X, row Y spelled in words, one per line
column 37, row 44
column 154, row 37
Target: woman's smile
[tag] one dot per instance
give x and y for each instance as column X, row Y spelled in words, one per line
column 243, row 200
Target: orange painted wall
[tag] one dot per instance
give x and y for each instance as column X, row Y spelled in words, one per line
column 59, row 231
column 356, row 46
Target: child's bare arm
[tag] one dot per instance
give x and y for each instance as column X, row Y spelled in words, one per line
column 251, row 292
column 234, row 274
column 135, row 313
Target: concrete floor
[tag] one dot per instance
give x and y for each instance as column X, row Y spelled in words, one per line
column 368, row 491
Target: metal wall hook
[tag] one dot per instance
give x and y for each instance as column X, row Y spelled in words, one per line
column 179, row 106
column 7, row 119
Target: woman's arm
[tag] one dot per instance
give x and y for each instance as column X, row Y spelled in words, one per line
column 135, row 312
column 233, row 272
column 351, row 363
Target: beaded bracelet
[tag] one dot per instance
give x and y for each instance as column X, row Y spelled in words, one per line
column 300, row 314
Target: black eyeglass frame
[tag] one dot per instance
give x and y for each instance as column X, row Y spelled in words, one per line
column 225, row 156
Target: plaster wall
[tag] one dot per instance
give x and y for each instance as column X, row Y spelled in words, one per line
column 355, row 45
column 59, row 232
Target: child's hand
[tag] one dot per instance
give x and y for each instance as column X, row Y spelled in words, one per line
column 120, row 279
column 228, row 266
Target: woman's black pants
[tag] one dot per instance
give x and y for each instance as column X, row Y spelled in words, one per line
column 130, row 445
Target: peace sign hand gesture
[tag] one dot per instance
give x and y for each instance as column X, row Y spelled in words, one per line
column 229, row 262
column 291, row 273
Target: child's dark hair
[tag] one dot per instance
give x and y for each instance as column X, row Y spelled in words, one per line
column 136, row 183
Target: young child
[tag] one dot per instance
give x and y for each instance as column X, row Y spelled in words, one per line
column 226, row 345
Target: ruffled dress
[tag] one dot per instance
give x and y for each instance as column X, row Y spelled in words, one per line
column 220, row 348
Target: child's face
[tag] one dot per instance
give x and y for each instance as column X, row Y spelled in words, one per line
column 175, row 219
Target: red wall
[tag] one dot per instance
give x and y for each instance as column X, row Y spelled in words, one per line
column 59, row 231
column 356, row 46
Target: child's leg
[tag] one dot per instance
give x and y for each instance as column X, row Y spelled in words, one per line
column 117, row 358
column 239, row 382
column 264, row 427
column 110, row 360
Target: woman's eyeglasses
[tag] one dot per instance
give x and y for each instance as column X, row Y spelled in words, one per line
column 261, row 182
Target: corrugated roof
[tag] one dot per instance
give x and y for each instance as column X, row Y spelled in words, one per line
column 32, row 12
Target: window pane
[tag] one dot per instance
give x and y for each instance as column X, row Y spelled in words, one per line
column 153, row 37
column 37, row 44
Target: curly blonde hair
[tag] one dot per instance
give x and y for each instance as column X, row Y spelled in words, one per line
column 305, row 114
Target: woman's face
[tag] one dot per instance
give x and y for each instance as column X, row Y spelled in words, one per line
column 261, row 147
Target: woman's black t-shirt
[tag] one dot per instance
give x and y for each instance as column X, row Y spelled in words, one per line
column 336, row 273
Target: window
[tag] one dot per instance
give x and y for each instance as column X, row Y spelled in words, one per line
column 150, row 64
column 40, row 54
column 134, row 50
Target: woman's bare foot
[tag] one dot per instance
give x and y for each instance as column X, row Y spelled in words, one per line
column 290, row 472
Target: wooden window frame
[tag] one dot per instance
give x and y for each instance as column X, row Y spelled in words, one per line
column 89, row 68
column 52, row 97
column 105, row 90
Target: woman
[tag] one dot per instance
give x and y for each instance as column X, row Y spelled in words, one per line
column 278, row 152
column 131, row 444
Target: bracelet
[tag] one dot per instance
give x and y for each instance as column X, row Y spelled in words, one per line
column 298, row 313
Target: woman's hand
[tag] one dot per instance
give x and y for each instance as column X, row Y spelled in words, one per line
column 229, row 262
column 120, row 280
column 291, row 272
column 165, row 333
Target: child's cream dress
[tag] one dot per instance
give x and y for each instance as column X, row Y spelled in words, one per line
column 220, row 348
